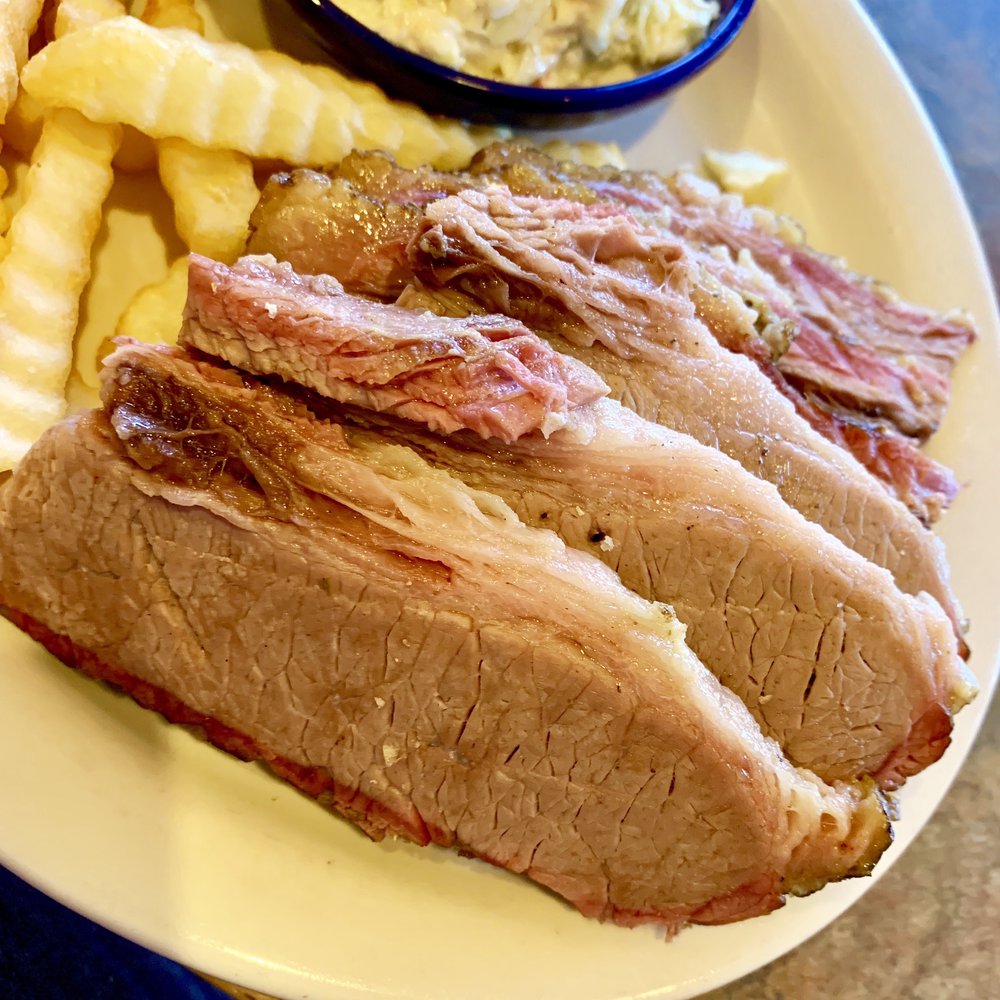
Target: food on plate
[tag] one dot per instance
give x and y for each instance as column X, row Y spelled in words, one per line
column 403, row 648
column 17, row 21
column 220, row 95
column 753, row 176
column 815, row 640
column 545, row 43
column 44, row 272
column 46, row 263
column 323, row 520
column 615, row 294
column 189, row 94
column 213, row 190
column 835, row 401
column 864, row 368
column 23, row 126
column 487, row 374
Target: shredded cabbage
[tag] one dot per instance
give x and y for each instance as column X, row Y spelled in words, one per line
column 550, row 43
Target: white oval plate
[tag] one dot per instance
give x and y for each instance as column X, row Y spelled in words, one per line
column 225, row 869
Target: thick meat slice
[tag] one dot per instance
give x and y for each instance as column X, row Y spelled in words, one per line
column 488, row 374
column 309, row 219
column 405, row 647
column 601, row 286
column 849, row 675
column 858, row 343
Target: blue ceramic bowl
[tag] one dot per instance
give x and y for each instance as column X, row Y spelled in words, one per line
column 441, row 89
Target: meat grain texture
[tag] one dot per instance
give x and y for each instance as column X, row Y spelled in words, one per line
column 848, row 674
column 413, row 642
column 620, row 297
column 350, row 576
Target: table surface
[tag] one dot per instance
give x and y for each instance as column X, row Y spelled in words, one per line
column 928, row 930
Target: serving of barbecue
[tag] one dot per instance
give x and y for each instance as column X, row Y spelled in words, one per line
column 570, row 518
column 814, row 639
column 402, row 647
column 617, row 295
column 865, row 369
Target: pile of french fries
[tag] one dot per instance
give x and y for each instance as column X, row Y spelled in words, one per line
column 115, row 86
column 111, row 87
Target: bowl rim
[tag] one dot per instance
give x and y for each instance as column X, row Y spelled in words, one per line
column 562, row 99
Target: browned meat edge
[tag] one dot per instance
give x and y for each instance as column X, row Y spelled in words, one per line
column 376, row 821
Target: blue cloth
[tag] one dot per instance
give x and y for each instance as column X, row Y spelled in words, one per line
column 50, row 953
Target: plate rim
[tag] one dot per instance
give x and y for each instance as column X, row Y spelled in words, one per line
column 254, row 972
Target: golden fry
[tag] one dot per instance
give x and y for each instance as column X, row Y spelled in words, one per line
column 410, row 134
column 213, row 192
column 17, row 21
column 154, row 314
column 225, row 96
column 173, row 83
column 45, row 271
column 23, row 125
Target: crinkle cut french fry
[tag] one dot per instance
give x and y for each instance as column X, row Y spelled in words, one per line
column 72, row 15
column 170, row 82
column 411, row 135
column 155, row 312
column 224, row 96
column 214, row 192
column 45, row 271
column 173, row 14
column 136, row 152
column 17, row 21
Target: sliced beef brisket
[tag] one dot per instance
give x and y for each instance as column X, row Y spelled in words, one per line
column 746, row 306
column 815, row 640
column 601, row 289
column 488, row 374
column 404, row 647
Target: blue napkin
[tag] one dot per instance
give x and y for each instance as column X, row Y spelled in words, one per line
column 50, row 953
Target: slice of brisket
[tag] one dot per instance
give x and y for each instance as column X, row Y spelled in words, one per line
column 848, row 674
column 405, row 648
column 487, row 374
column 858, row 343
column 309, row 220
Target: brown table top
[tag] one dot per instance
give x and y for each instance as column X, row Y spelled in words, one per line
column 928, row 930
